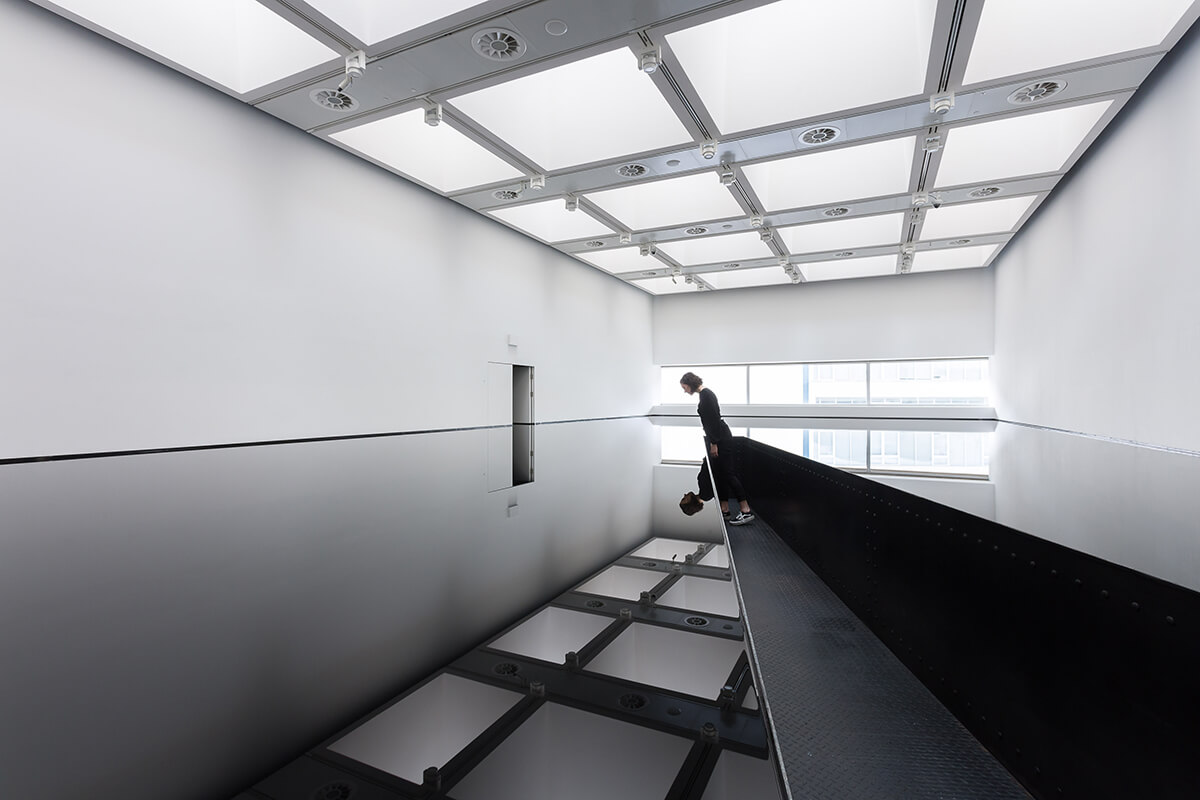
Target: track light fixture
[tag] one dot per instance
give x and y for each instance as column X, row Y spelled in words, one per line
column 727, row 176
column 433, row 115
column 647, row 250
column 649, row 60
column 626, row 237
column 756, row 222
column 933, row 143
column 537, row 182
column 708, row 149
column 572, row 203
column 765, row 234
column 941, row 103
column 906, row 258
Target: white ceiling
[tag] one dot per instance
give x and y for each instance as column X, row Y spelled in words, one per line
column 826, row 158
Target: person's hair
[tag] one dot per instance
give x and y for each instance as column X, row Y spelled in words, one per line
column 692, row 381
column 690, row 504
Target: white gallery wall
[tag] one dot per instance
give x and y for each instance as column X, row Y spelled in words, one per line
column 182, row 269
column 925, row 315
column 1097, row 320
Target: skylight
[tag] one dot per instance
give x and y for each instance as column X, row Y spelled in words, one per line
column 740, row 278
column 828, row 176
column 973, row 219
column 797, row 59
column 665, row 286
column 843, row 234
column 375, row 20
column 1018, row 36
column 1025, row 145
column 550, row 221
column 662, row 204
column 621, row 259
column 952, row 258
column 239, row 44
column 595, row 109
column 848, row 268
column 439, row 156
column 713, row 249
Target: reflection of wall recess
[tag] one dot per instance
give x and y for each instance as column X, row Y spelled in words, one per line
column 595, row 604
column 649, row 563
column 696, row 622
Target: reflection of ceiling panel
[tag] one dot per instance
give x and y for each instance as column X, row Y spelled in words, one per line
column 439, row 156
column 661, row 204
column 830, row 176
column 796, row 59
column 591, row 110
column 691, row 126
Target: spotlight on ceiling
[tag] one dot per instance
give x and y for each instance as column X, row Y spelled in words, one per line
column 906, row 258
column 727, row 176
column 941, row 103
column 649, row 60
column 756, row 222
column 572, row 203
column 626, row 237
column 537, row 182
column 647, row 250
column 338, row 99
column 433, row 115
column 708, row 149
column 765, row 234
column 933, row 143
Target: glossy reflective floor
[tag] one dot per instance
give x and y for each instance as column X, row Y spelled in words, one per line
column 245, row 602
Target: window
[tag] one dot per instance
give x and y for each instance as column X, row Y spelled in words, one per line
column 958, row 382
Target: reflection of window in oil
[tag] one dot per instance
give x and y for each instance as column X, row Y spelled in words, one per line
column 522, row 424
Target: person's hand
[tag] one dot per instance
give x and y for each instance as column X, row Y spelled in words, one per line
column 712, row 448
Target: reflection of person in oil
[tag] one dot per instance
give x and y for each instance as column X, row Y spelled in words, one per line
column 718, row 441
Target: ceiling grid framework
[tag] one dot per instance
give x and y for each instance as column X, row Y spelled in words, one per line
column 688, row 145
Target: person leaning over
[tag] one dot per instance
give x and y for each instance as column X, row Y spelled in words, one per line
column 718, row 441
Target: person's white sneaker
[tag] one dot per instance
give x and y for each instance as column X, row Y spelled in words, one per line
column 741, row 518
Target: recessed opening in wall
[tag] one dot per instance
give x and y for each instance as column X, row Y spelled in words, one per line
column 522, row 424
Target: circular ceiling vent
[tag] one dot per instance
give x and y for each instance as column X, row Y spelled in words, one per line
column 333, row 99
column 822, row 134
column 731, row 265
column 506, row 668
column 961, row 241
column 844, row 254
column 334, row 791
column 506, row 194
column 595, row 243
column 837, row 212
column 499, row 44
column 594, row 604
column 632, row 170
column 696, row 231
column 696, row 622
column 632, row 701
column 1035, row 92
column 986, row 191
column 650, row 274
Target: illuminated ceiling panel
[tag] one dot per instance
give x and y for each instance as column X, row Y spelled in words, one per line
column 974, row 219
column 797, row 59
column 830, row 176
column 571, row 115
column 740, row 278
column 662, row 204
column 666, row 286
column 439, row 156
column 714, row 249
column 1018, row 36
column 869, row 267
column 239, row 44
column 952, row 258
column 550, row 221
column 843, row 234
column 375, row 20
column 620, row 259
column 1025, row 145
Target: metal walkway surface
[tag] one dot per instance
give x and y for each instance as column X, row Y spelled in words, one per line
column 847, row 719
